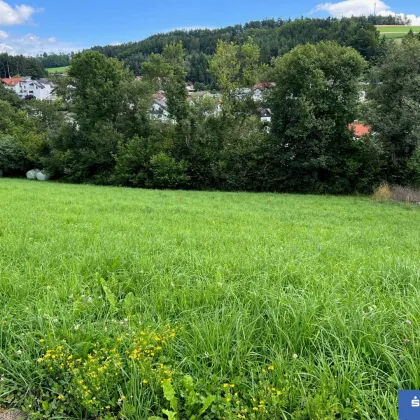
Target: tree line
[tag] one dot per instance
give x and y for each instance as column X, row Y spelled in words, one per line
column 19, row 65
column 55, row 60
column 274, row 37
column 100, row 130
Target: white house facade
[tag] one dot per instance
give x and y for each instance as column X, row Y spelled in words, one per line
column 26, row 87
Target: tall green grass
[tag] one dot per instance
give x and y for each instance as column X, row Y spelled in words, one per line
column 323, row 289
column 397, row 31
column 54, row 70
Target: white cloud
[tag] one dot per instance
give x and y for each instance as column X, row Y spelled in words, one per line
column 350, row 8
column 34, row 45
column 6, row 48
column 29, row 45
column 17, row 15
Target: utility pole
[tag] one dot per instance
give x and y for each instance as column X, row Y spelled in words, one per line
column 374, row 9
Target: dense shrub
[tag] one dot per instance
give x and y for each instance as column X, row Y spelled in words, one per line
column 11, row 155
column 166, row 172
column 414, row 167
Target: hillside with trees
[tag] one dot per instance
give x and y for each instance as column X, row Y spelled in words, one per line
column 273, row 37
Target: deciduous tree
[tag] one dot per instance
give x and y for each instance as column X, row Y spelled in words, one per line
column 313, row 104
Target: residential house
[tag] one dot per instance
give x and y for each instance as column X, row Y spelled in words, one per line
column 159, row 108
column 190, row 87
column 25, row 87
column 12, row 83
column 266, row 115
column 260, row 89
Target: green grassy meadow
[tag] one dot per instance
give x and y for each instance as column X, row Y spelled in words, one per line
column 185, row 305
column 396, row 31
column 58, row 69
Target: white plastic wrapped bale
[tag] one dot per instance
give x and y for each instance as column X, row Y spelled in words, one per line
column 32, row 173
column 42, row 176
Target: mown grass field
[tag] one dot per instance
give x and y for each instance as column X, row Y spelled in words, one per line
column 215, row 305
column 58, row 69
column 396, row 31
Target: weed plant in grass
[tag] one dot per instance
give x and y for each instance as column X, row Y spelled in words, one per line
column 186, row 305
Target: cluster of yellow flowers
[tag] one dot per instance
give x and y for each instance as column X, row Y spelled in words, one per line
column 264, row 399
column 87, row 379
column 149, row 345
column 259, row 405
column 93, row 379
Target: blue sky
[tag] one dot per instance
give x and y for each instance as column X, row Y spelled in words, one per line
column 33, row 26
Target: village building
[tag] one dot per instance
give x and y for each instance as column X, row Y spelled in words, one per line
column 27, row 88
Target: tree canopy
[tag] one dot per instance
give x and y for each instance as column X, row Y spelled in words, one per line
column 274, row 38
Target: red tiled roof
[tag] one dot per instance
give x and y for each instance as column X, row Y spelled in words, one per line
column 264, row 85
column 360, row 129
column 12, row 81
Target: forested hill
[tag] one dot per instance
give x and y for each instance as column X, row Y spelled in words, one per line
column 275, row 37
